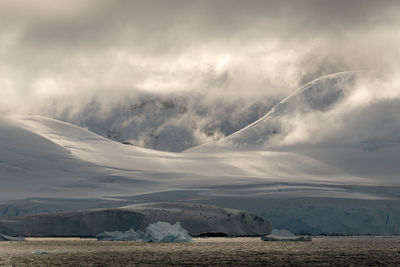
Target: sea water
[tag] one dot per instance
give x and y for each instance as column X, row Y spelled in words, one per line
column 203, row 251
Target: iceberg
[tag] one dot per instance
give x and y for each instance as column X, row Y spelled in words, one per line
column 10, row 238
column 121, row 236
column 155, row 232
column 284, row 235
column 165, row 232
column 39, row 252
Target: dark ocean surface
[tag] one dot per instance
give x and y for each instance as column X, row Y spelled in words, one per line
column 322, row 251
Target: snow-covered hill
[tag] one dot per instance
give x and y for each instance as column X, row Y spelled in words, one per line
column 328, row 186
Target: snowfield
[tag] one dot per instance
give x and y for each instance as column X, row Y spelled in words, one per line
column 340, row 186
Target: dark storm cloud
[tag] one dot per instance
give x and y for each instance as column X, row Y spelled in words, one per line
column 99, row 24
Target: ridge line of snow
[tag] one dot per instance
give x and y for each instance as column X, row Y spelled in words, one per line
column 296, row 92
column 28, row 119
column 301, row 89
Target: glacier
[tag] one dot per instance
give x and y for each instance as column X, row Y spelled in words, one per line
column 195, row 218
column 334, row 186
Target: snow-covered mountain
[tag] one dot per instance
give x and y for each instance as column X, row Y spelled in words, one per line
column 163, row 122
column 329, row 183
column 317, row 96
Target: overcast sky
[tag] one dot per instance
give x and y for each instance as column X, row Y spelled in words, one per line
column 82, row 48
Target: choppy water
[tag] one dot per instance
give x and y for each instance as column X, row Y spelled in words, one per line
column 325, row 251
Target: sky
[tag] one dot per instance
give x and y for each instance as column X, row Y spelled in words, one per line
column 223, row 49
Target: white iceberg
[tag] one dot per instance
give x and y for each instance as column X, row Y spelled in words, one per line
column 156, row 232
column 39, row 252
column 165, row 232
column 284, row 235
column 10, row 238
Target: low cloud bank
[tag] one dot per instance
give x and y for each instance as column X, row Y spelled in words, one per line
column 82, row 61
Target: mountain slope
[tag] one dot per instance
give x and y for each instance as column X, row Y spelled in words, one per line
column 319, row 95
column 56, row 156
column 51, row 166
column 171, row 122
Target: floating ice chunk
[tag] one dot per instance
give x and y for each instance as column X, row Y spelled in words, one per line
column 165, row 232
column 284, row 235
column 156, row 232
column 130, row 235
column 281, row 232
column 39, row 252
column 10, row 238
